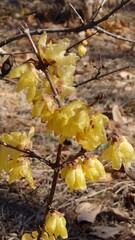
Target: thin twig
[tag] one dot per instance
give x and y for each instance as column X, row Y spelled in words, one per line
column 70, row 159
column 26, row 31
column 15, row 53
column 78, row 15
column 112, row 12
column 28, row 153
column 118, row 37
column 55, row 177
column 98, row 10
column 77, row 43
column 97, row 76
column 89, row 25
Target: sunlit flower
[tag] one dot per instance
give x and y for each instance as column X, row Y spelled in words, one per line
column 70, row 120
column 28, row 79
column 55, row 52
column 28, row 236
column 44, row 107
column 95, row 134
column 119, row 152
column 56, row 225
column 74, row 177
column 21, row 168
column 93, row 168
column 12, row 160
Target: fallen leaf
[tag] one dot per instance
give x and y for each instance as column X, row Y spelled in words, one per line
column 126, row 75
column 106, row 232
column 130, row 169
column 87, row 211
column 117, row 115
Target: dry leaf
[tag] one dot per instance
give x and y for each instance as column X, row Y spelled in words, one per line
column 126, row 75
column 87, row 211
column 130, row 169
column 120, row 215
column 106, row 232
column 117, row 116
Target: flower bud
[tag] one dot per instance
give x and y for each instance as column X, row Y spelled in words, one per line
column 81, row 49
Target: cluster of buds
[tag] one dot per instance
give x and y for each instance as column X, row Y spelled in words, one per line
column 13, row 161
column 81, row 48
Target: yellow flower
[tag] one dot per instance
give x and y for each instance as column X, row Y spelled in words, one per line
column 21, row 168
column 56, row 225
column 119, row 152
column 45, row 236
column 18, row 139
column 28, row 79
column 28, row 236
column 95, row 134
column 55, row 53
column 93, row 169
column 74, row 177
column 70, row 120
column 43, row 107
column 12, row 161
column 4, row 159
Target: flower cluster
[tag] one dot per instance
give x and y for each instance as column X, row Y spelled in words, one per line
column 60, row 68
column 78, row 120
column 75, row 174
column 13, row 161
column 119, row 152
column 55, row 225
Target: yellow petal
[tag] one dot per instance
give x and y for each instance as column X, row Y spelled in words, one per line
column 60, row 228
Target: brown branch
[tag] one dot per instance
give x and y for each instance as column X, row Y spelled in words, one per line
column 77, row 43
column 78, row 15
column 28, row 153
column 118, row 37
column 112, row 12
column 27, row 33
column 97, row 76
column 89, row 25
column 55, row 176
column 98, row 10
column 70, row 159
column 52, row 190
column 15, row 53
